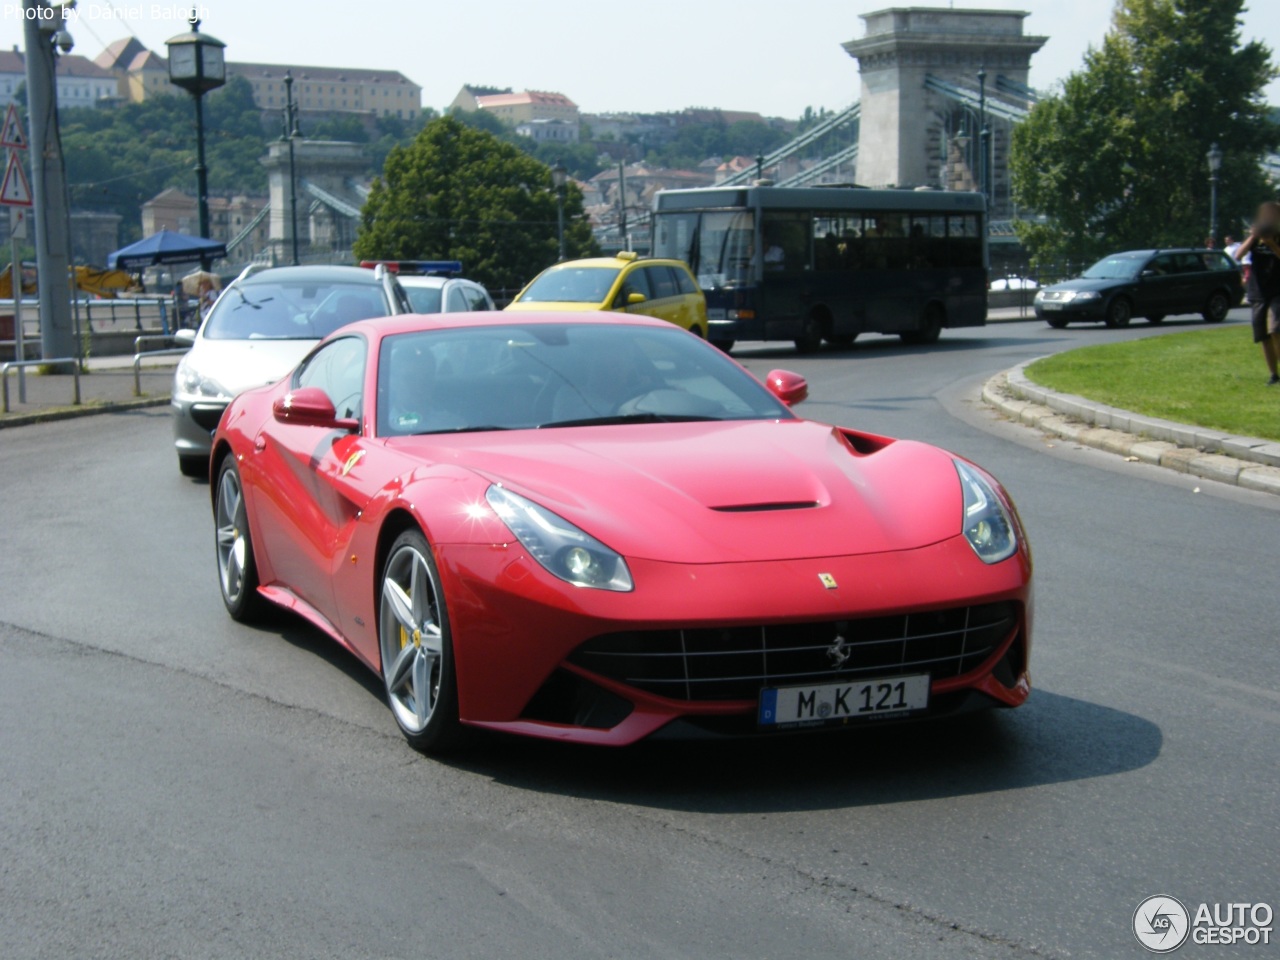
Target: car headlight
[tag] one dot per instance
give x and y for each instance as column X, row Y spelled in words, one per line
column 1039, row 297
column 565, row 551
column 987, row 525
column 1086, row 295
column 188, row 380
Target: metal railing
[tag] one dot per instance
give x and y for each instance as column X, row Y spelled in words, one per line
column 23, row 364
column 139, row 355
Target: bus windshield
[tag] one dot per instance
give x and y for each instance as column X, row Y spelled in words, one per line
column 717, row 245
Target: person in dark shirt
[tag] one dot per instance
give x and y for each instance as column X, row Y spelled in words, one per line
column 1262, row 289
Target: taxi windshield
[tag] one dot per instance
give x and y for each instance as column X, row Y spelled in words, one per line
column 571, row 285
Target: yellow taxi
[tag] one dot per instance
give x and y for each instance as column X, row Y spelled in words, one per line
column 656, row 288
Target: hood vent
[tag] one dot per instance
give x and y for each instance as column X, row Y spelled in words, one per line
column 766, row 507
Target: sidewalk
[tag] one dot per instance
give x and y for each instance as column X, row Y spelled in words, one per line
column 107, row 384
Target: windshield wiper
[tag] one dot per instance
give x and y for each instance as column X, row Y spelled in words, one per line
column 628, row 418
column 481, row 429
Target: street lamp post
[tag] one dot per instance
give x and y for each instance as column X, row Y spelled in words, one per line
column 1214, row 156
column 290, row 132
column 197, row 65
column 559, row 177
column 984, row 134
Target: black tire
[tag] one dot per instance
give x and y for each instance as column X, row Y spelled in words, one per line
column 1156, row 318
column 233, row 548
column 930, row 328
column 842, row 341
column 194, row 466
column 1119, row 312
column 724, row 346
column 810, row 339
column 1216, row 307
column 442, row 729
column 1058, row 323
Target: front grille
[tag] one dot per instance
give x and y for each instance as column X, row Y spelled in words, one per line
column 733, row 663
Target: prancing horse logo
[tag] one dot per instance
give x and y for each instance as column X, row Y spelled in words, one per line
column 828, row 581
column 838, row 651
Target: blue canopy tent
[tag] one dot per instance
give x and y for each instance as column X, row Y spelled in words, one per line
column 163, row 248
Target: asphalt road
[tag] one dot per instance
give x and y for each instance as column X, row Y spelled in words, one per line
column 175, row 785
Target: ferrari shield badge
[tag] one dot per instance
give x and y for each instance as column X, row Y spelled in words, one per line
column 828, row 581
column 351, row 462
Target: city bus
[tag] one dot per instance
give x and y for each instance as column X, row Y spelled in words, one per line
column 825, row 264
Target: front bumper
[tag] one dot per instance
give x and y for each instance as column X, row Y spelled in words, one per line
column 194, row 421
column 1071, row 309
column 516, row 630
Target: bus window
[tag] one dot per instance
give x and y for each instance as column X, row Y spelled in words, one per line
column 785, row 240
column 676, row 238
column 836, row 243
column 964, row 241
column 725, row 252
column 887, row 241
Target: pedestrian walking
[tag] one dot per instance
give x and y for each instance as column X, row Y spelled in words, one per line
column 1262, row 289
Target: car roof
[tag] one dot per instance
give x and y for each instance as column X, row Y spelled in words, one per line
column 1151, row 253
column 426, row 280
column 616, row 263
column 416, row 322
column 315, row 273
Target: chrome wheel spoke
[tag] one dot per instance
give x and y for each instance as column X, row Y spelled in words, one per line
column 401, row 669
column 433, row 640
column 422, row 688
column 417, row 595
column 401, row 605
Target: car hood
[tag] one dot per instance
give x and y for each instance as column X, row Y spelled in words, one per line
column 1081, row 283
column 723, row 492
column 240, row 365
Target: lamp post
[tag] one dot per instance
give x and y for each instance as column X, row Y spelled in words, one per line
column 196, row 64
column 1214, row 156
column 984, row 134
column 559, row 177
column 290, row 132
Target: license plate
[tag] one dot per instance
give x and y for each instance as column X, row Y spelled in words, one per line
column 716, row 314
column 1050, row 305
column 833, row 703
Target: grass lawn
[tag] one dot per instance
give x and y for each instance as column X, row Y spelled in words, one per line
column 1210, row 378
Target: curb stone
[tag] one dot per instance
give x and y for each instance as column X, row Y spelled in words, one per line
column 1249, row 462
column 84, row 410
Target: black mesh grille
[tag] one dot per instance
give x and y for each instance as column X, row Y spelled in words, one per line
column 733, row 663
column 207, row 415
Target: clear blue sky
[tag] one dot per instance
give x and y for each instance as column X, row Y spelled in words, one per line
column 773, row 56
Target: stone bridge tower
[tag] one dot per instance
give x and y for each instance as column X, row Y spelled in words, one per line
column 913, row 135
column 329, row 177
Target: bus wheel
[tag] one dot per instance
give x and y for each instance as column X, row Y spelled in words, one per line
column 842, row 340
column 810, row 339
column 930, row 327
column 723, row 345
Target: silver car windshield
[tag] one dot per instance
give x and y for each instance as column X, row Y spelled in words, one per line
column 291, row 311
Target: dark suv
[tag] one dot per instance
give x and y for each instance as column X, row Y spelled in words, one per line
column 1145, row 283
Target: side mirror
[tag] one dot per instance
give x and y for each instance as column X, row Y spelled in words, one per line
column 790, row 388
column 310, row 407
column 185, row 337
column 634, row 298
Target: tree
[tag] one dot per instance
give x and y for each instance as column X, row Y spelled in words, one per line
column 1116, row 159
column 461, row 193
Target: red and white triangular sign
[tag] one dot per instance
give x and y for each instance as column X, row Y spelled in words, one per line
column 12, row 135
column 16, row 190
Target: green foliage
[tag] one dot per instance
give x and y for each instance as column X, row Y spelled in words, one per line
column 119, row 158
column 696, row 142
column 461, row 192
column 1116, row 159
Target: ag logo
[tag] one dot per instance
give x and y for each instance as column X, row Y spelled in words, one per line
column 1161, row 924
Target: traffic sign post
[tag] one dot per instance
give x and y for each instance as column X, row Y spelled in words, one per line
column 18, row 231
column 11, row 134
column 15, row 193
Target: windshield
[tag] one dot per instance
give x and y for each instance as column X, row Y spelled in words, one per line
column 571, row 285
column 517, row 377
column 1114, row 268
column 717, row 245
column 424, row 299
column 291, row 311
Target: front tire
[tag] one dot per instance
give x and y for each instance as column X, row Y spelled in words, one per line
column 1058, row 323
column 1119, row 313
column 194, row 466
column 1216, row 307
column 417, row 647
column 237, row 570
column 810, row 339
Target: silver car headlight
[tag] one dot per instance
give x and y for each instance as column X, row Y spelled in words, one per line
column 1039, row 297
column 564, row 550
column 187, row 380
column 987, row 525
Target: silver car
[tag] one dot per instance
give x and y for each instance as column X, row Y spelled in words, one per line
column 264, row 323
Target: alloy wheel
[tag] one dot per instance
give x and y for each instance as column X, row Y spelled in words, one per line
column 411, row 638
